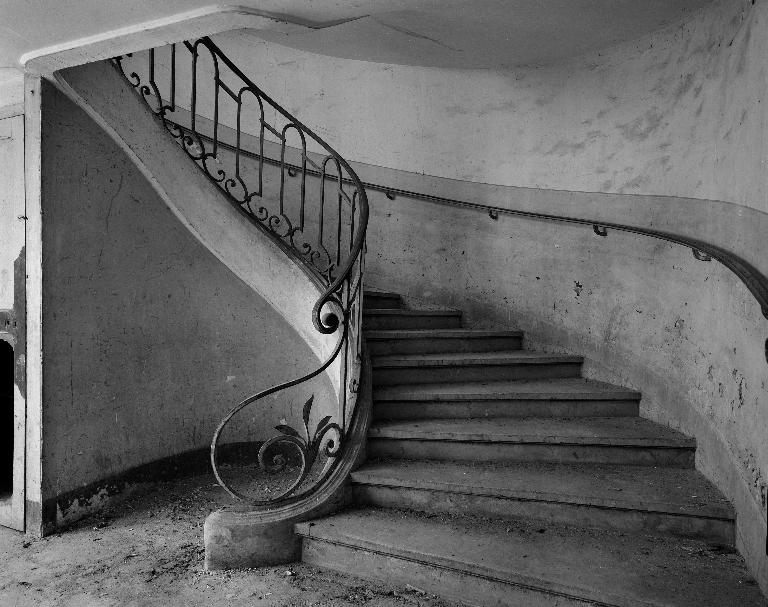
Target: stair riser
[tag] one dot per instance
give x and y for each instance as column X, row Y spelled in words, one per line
column 384, row 376
column 530, row 452
column 448, row 583
column 504, row 408
column 429, row 345
column 375, row 322
column 620, row 519
column 381, row 302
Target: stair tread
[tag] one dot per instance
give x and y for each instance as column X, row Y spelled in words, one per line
column 670, row 490
column 369, row 293
column 409, row 312
column 544, row 389
column 438, row 333
column 499, row 357
column 620, row 431
column 593, row 564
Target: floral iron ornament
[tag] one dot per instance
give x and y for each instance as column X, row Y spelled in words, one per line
column 308, row 448
column 273, row 459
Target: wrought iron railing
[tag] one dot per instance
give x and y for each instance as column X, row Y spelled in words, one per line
column 321, row 223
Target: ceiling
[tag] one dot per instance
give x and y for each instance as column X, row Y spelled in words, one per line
column 441, row 33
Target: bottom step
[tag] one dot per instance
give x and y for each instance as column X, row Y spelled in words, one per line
column 482, row 562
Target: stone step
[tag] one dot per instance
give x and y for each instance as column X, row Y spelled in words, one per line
column 558, row 397
column 472, row 366
column 516, row 563
column 427, row 341
column 382, row 318
column 381, row 300
column 632, row 499
column 616, row 440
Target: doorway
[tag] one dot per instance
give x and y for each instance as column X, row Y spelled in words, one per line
column 7, row 424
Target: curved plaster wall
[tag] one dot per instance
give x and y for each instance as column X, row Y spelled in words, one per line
column 679, row 112
column 148, row 338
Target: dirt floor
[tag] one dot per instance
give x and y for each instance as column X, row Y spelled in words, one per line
column 148, row 550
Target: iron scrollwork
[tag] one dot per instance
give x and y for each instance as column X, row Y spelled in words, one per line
column 325, row 232
column 321, row 254
column 273, row 459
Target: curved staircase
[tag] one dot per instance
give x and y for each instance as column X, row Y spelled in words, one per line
column 495, row 475
column 498, row 476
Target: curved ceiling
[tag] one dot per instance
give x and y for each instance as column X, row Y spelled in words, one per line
column 490, row 34
column 442, row 33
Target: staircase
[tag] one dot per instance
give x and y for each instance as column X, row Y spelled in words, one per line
column 498, row 476
column 495, row 475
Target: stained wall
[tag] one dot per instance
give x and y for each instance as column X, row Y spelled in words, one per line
column 644, row 314
column 12, row 296
column 679, row 112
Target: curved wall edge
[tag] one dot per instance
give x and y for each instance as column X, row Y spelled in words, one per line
column 246, row 251
column 733, row 228
column 679, row 112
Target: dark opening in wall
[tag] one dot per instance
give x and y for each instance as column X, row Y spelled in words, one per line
column 6, row 417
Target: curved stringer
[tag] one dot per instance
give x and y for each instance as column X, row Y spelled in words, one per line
column 334, row 261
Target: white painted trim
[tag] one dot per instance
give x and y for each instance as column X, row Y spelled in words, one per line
column 12, row 508
column 204, row 21
column 34, row 251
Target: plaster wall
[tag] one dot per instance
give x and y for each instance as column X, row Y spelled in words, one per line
column 644, row 313
column 679, row 112
column 148, row 339
column 11, row 204
column 12, row 184
column 11, row 91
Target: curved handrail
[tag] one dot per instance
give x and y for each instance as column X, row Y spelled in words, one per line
column 335, row 264
column 755, row 281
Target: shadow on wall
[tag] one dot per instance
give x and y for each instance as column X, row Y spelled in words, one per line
column 6, row 417
column 148, row 338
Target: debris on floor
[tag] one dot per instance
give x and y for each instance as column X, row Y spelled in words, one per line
column 148, row 551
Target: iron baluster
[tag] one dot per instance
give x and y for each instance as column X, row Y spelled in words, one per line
column 338, row 310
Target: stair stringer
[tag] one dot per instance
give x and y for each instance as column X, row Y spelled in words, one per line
column 244, row 535
column 198, row 203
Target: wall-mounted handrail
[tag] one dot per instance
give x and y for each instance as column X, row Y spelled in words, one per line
column 323, row 229
column 755, row 281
